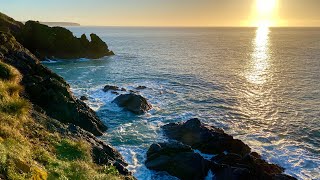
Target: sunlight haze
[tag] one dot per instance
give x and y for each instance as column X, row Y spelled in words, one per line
column 168, row 12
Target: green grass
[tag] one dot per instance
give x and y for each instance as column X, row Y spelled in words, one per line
column 29, row 151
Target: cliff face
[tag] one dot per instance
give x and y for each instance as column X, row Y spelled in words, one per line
column 53, row 42
column 46, row 89
column 45, row 132
column 35, row 146
column 58, row 42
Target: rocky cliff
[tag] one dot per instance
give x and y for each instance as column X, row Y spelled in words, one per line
column 45, row 132
column 46, row 89
column 54, row 42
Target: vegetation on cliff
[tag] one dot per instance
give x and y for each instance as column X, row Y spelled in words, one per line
column 46, row 89
column 29, row 150
column 41, row 135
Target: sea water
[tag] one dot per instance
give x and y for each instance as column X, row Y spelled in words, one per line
column 261, row 85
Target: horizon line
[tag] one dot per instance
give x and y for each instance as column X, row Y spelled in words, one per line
column 146, row 26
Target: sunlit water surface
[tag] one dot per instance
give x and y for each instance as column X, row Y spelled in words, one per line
column 260, row 85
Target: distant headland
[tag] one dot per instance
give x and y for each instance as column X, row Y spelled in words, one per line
column 62, row 24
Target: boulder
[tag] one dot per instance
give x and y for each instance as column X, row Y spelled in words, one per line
column 178, row 160
column 133, row 102
column 48, row 90
column 207, row 139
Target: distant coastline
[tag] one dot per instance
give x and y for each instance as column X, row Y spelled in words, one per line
column 62, row 24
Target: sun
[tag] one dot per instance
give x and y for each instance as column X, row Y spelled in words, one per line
column 265, row 13
column 266, row 7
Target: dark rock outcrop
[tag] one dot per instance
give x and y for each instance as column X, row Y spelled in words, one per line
column 53, row 42
column 46, row 89
column 207, row 139
column 133, row 102
column 178, row 160
column 234, row 159
column 59, row 42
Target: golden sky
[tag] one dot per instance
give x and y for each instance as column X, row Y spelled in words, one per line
column 168, row 12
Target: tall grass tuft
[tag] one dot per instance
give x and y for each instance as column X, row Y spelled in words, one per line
column 9, row 73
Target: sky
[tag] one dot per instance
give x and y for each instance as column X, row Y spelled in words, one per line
column 167, row 12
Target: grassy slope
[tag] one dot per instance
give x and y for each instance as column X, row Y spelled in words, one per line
column 29, row 151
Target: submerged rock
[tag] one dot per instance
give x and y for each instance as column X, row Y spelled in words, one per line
column 178, row 160
column 207, row 139
column 84, row 98
column 141, row 87
column 111, row 88
column 133, row 102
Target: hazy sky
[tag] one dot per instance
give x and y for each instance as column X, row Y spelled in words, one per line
column 162, row 12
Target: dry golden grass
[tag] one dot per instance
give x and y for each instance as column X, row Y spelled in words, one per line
column 29, row 151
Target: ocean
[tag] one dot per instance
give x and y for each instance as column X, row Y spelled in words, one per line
column 261, row 85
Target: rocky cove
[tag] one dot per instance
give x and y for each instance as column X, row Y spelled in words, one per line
column 55, row 109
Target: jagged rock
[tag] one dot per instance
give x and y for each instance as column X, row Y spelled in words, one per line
column 207, row 139
column 233, row 160
column 48, row 90
column 134, row 103
column 59, row 42
column 178, row 160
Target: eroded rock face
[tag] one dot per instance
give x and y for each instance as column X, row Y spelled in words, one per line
column 48, row 90
column 205, row 138
column 133, row 102
column 178, row 160
column 59, row 42
column 232, row 159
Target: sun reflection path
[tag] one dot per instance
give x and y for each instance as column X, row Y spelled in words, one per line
column 258, row 68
